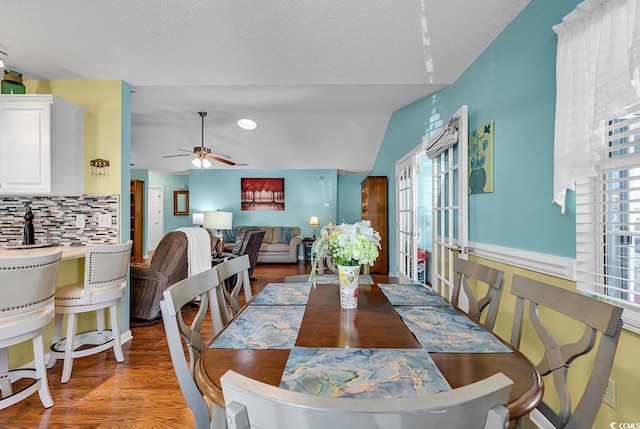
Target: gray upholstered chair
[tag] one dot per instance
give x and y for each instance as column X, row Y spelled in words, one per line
column 181, row 336
column 169, row 265
column 493, row 279
column 106, row 269
column 27, row 288
column 253, row 404
column 602, row 324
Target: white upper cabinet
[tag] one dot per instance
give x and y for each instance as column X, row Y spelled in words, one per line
column 41, row 146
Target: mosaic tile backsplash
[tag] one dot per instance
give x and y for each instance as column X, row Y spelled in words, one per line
column 55, row 219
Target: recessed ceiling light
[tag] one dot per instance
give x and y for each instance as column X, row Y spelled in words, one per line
column 247, row 124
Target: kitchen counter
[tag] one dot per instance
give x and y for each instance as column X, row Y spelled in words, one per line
column 68, row 252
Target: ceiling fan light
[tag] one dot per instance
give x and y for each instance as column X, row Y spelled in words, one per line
column 247, row 124
column 201, row 163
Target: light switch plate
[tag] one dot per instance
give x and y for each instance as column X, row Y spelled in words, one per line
column 104, row 220
column 80, row 221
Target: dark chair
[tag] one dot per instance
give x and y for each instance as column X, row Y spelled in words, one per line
column 250, row 246
column 601, row 323
column 168, row 265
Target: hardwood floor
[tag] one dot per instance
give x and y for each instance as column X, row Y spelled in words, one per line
column 141, row 392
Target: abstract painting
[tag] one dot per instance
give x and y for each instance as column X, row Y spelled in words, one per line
column 262, row 193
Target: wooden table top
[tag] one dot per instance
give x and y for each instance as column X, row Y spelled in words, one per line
column 378, row 326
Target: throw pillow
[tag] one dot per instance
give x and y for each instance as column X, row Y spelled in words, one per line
column 229, row 235
column 286, row 234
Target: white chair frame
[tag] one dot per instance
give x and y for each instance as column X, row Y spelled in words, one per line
column 27, row 288
column 105, row 280
column 253, row 404
column 206, row 287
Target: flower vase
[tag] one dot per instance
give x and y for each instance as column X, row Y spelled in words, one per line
column 348, row 276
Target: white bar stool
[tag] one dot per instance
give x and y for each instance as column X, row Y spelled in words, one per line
column 27, row 288
column 105, row 280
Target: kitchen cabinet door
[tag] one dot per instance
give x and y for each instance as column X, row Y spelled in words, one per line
column 41, row 146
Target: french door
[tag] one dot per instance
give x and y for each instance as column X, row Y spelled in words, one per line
column 447, row 175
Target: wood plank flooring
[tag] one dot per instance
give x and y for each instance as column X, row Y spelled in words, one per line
column 141, row 392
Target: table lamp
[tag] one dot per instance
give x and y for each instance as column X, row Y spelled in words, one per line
column 198, row 219
column 218, row 220
column 314, row 222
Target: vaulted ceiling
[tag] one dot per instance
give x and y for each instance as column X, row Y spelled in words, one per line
column 319, row 77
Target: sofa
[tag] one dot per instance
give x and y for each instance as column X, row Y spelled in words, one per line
column 279, row 245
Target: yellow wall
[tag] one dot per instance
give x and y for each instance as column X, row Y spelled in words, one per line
column 624, row 372
column 102, row 125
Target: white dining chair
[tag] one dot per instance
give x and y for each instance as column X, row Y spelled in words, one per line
column 234, row 275
column 493, row 280
column 256, row 405
column 205, row 289
column 105, row 280
column 27, row 288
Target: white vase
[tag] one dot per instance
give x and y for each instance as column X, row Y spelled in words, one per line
column 348, row 276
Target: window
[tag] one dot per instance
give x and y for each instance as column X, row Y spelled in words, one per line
column 608, row 221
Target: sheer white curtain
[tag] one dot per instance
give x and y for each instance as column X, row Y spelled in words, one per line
column 597, row 77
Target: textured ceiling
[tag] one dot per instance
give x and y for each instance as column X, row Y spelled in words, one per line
column 319, row 77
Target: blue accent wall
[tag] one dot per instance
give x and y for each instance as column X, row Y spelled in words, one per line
column 512, row 83
column 349, row 198
column 176, row 182
column 307, row 193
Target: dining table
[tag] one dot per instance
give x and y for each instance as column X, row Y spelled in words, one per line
column 403, row 339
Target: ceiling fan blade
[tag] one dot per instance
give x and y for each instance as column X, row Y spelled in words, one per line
column 217, row 158
column 185, row 150
column 182, row 154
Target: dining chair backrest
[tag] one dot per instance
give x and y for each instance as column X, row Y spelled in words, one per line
column 493, row 279
column 106, row 265
column 598, row 318
column 234, row 272
column 253, row 404
column 180, row 335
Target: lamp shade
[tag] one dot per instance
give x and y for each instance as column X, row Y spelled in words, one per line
column 218, row 220
column 314, row 221
column 198, row 219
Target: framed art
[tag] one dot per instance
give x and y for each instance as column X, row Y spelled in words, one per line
column 262, row 193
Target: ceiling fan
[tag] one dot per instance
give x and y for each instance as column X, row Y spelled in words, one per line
column 202, row 152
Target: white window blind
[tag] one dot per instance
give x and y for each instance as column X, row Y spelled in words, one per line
column 608, row 221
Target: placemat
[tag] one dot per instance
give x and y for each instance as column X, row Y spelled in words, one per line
column 262, row 327
column 443, row 329
column 283, row 294
column 412, row 294
column 362, row 373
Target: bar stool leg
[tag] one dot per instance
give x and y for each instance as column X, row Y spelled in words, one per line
column 115, row 333
column 41, row 372
column 5, row 379
column 68, row 348
column 57, row 336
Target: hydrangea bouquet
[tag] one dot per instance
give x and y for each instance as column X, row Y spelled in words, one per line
column 346, row 244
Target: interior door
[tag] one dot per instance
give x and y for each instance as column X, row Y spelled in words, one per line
column 155, row 214
column 406, row 266
column 449, row 153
